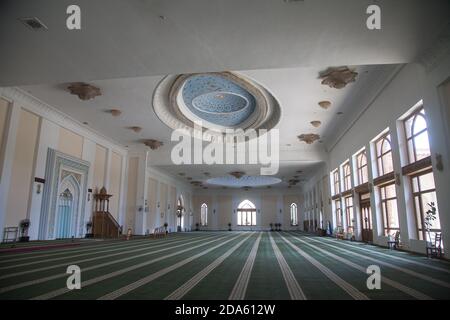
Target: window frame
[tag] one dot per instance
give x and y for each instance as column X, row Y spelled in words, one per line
column 349, row 216
column 336, row 182
column 384, row 211
column 246, row 212
column 421, row 232
column 294, row 222
column 347, row 177
column 360, row 168
column 338, row 212
column 417, row 113
column 381, row 155
column 204, row 214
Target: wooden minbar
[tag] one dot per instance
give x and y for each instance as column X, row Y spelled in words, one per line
column 103, row 223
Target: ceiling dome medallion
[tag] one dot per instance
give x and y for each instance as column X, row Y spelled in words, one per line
column 84, row 91
column 338, row 77
column 136, row 129
column 244, row 181
column 153, row 144
column 219, row 100
column 325, row 104
column 309, row 138
column 115, row 112
column 237, row 174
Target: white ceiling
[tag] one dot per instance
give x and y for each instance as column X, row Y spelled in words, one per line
column 125, row 48
column 129, row 39
column 298, row 91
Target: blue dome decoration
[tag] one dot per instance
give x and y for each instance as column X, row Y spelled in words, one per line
column 245, row 181
column 217, row 100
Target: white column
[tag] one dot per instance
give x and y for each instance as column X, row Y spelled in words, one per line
column 10, row 145
column 141, row 216
column 123, row 191
column 107, row 169
column 48, row 138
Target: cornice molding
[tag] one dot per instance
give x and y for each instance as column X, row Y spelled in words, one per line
column 33, row 104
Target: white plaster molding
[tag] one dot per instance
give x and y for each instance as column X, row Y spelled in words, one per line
column 30, row 103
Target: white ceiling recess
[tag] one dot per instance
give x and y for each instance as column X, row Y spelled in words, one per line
column 156, row 37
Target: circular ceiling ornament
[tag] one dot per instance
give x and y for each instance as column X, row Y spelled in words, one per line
column 245, row 181
column 217, row 100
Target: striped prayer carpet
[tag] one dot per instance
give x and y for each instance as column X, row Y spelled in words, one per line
column 223, row 265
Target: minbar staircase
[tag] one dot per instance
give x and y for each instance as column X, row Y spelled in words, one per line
column 105, row 226
column 103, row 223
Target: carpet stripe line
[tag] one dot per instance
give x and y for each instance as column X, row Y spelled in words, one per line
column 94, row 248
column 410, row 291
column 404, row 270
column 139, row 283
column 347, row 287
column 11, row 275
column 393, row 257
column 295, row 291
column 77, row 256
column 110, row 275
column 53, row 277
column 99, row 244
column 240, row 287
column 82, row 247
column 191, row 283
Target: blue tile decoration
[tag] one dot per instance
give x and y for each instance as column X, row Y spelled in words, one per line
column 217, row 100
column 245, row 181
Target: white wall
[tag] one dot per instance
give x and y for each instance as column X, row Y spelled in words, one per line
column 51, row 121
column 413, row 82
column 222, row 211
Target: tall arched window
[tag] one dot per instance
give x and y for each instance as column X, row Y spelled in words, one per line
column 347, row 176
column 294, row 217
column 336, row 188
column 417, row 136
column 361, row 164
column 246, row 214
column 384, row 155
column 204, row 215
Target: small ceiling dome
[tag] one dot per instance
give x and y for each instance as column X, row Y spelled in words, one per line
column 244, row 181
column 218, row 101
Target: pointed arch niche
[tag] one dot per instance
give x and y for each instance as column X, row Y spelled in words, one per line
column 64, row 197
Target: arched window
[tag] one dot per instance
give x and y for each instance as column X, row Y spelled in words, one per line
column 336, row 188
column 417, row 136
column 384, row 155
column 246, row 214
column 347, row 176
column 294, row 220
column 361, row 164
column 204, row 215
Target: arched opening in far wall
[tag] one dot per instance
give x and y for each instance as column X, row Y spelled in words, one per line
column 246, row 214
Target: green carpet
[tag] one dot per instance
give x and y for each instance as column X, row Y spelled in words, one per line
column 223, row 265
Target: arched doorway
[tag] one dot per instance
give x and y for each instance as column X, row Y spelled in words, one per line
column 180, row 214
column 246, row 214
